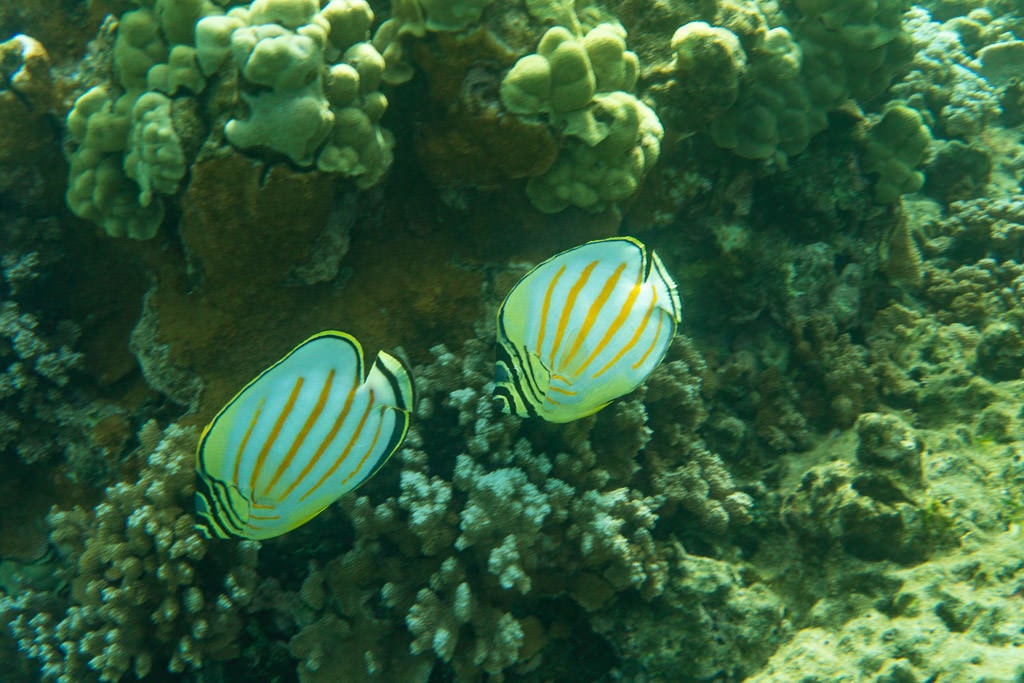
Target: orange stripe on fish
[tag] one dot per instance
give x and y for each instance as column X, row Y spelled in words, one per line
column 245, row 440
column 362, row 460
column 344, row 454
column 621, row 317
column 275, row 432
column 612, row 330
column 567, row 310
column 596, row 306
column 654, row 342
column 297, row 442
column 547, row 306
column 631, row 343
column 335, row 428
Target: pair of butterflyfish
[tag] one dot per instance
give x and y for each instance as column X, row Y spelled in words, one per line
column 576, row 332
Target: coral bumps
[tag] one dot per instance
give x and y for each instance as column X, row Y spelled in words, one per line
column 292, row 80
column 123, row 160
column 763, row 89
column 583, row 86
column 310, row 82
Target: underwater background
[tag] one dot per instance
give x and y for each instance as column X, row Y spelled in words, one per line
column 821, row 482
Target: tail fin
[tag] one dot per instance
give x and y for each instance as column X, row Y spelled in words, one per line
column 388, row 371
column 666, row 288
column 392, row 379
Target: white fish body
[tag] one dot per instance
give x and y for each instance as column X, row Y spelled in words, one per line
column 583, row 328
column 307, row 430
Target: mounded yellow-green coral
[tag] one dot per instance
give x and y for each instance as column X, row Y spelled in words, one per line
column 452, row 15
column 708, row 67
column 775, row 112
column 310, row 80
column 853, row 47
column 761, row 81
column 565, row 74
column 414, row 18
column 154, row 158
column 306, row 80
column 126, row 151
column 289, row 114
column 894, row 150
column 99, row 187
column 582, row 85
column 775, row 118
column 139, row 46
column 592, row 177
column 180, row 72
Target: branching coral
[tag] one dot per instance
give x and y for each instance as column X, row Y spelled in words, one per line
column 943, row 82
column 42, row 414
column 136, row 600
column 526, row 516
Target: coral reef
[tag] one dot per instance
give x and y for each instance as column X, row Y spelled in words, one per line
column 896, row 146
column 944, row 83
column 308, row 80
column 762, row 81
column 44, row 417
column 944, row 615
column 869, row 507
column 822, row 480
column 946, row 618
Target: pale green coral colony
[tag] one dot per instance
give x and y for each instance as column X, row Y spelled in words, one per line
column 306, row 82
column 583, row 86
column 308, row 77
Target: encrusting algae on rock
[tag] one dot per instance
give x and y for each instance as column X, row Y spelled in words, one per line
column 820, row 478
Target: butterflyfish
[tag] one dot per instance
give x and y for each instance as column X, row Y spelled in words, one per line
column 307, row 430
column 584, row 328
